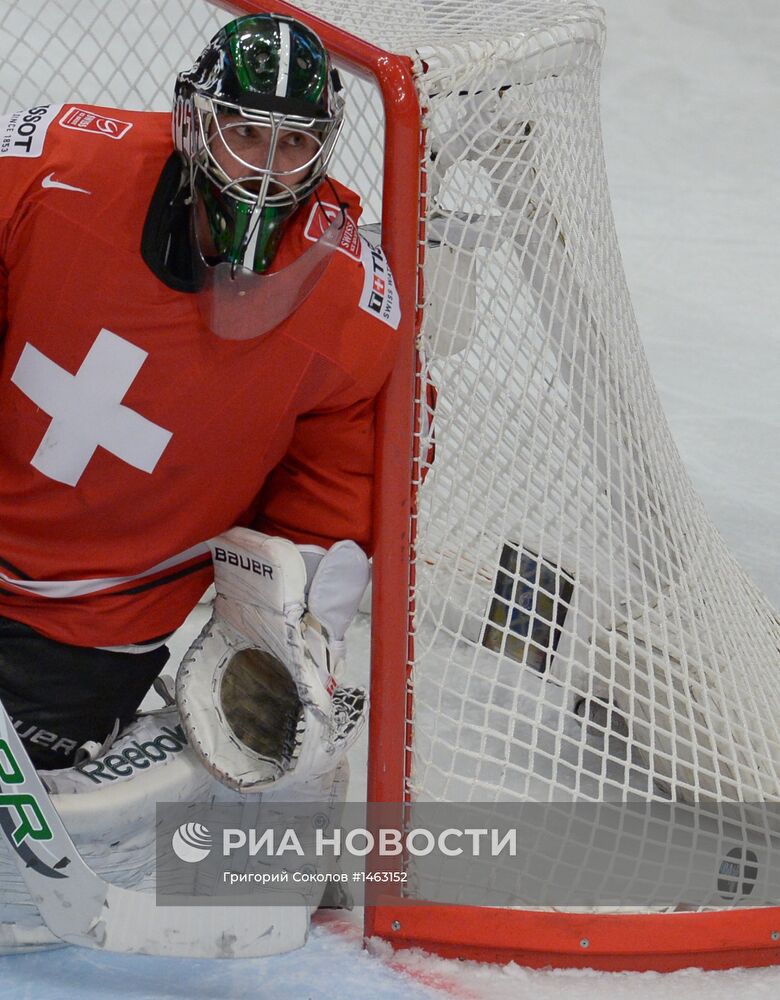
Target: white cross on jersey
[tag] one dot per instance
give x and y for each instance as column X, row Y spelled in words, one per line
column 87, row 411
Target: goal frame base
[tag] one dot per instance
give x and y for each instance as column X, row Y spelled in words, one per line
column 655, row 942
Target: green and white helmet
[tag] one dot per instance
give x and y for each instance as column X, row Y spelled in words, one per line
column 271, row 77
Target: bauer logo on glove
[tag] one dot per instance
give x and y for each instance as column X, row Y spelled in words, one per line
column 258, row 690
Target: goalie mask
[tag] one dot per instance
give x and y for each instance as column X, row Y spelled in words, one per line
column 256, row 120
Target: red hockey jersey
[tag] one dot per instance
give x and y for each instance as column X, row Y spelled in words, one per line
column 129, row 433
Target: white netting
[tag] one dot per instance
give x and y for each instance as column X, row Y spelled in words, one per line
column 580, row 629
column 115, row 54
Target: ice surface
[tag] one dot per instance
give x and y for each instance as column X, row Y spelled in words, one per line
column 690, row 99
column 332, row 965
column 689, row 94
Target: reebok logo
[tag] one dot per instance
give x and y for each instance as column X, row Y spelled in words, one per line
column 135, row 756
column 49, row 182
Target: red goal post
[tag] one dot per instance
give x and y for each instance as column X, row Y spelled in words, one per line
column 403, row 240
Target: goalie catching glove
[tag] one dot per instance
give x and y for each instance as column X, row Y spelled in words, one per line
column 257, row 690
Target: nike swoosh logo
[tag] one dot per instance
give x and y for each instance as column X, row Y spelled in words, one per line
column 49, row 182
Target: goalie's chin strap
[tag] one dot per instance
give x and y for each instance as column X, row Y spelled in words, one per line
column 258, row 689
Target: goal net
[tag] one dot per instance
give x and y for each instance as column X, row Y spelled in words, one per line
column 556, row 620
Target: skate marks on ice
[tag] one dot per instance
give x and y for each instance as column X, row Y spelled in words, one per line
column 331, row 965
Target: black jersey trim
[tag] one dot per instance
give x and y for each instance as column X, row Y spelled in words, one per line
column 14, row 569
column 138, row 589
column 162, row 580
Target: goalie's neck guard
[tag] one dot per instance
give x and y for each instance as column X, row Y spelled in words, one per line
column 239, row 304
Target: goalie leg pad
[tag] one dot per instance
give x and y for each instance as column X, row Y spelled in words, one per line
column 108, row 805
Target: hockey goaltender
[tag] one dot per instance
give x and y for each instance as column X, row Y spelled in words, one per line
column 193, row 339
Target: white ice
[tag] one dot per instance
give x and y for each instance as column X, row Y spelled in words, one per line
column 691, row 93
column 691, row 96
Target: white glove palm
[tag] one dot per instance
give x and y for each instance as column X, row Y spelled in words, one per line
column 257, row 690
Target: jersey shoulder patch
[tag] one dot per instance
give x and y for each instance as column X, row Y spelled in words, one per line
column 23, row 133
column 379, row 296
column 321, row 215
column 89, row 120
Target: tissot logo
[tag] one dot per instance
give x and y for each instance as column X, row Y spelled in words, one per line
column 379, row 297
column 376, row 299
column 23, row 132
